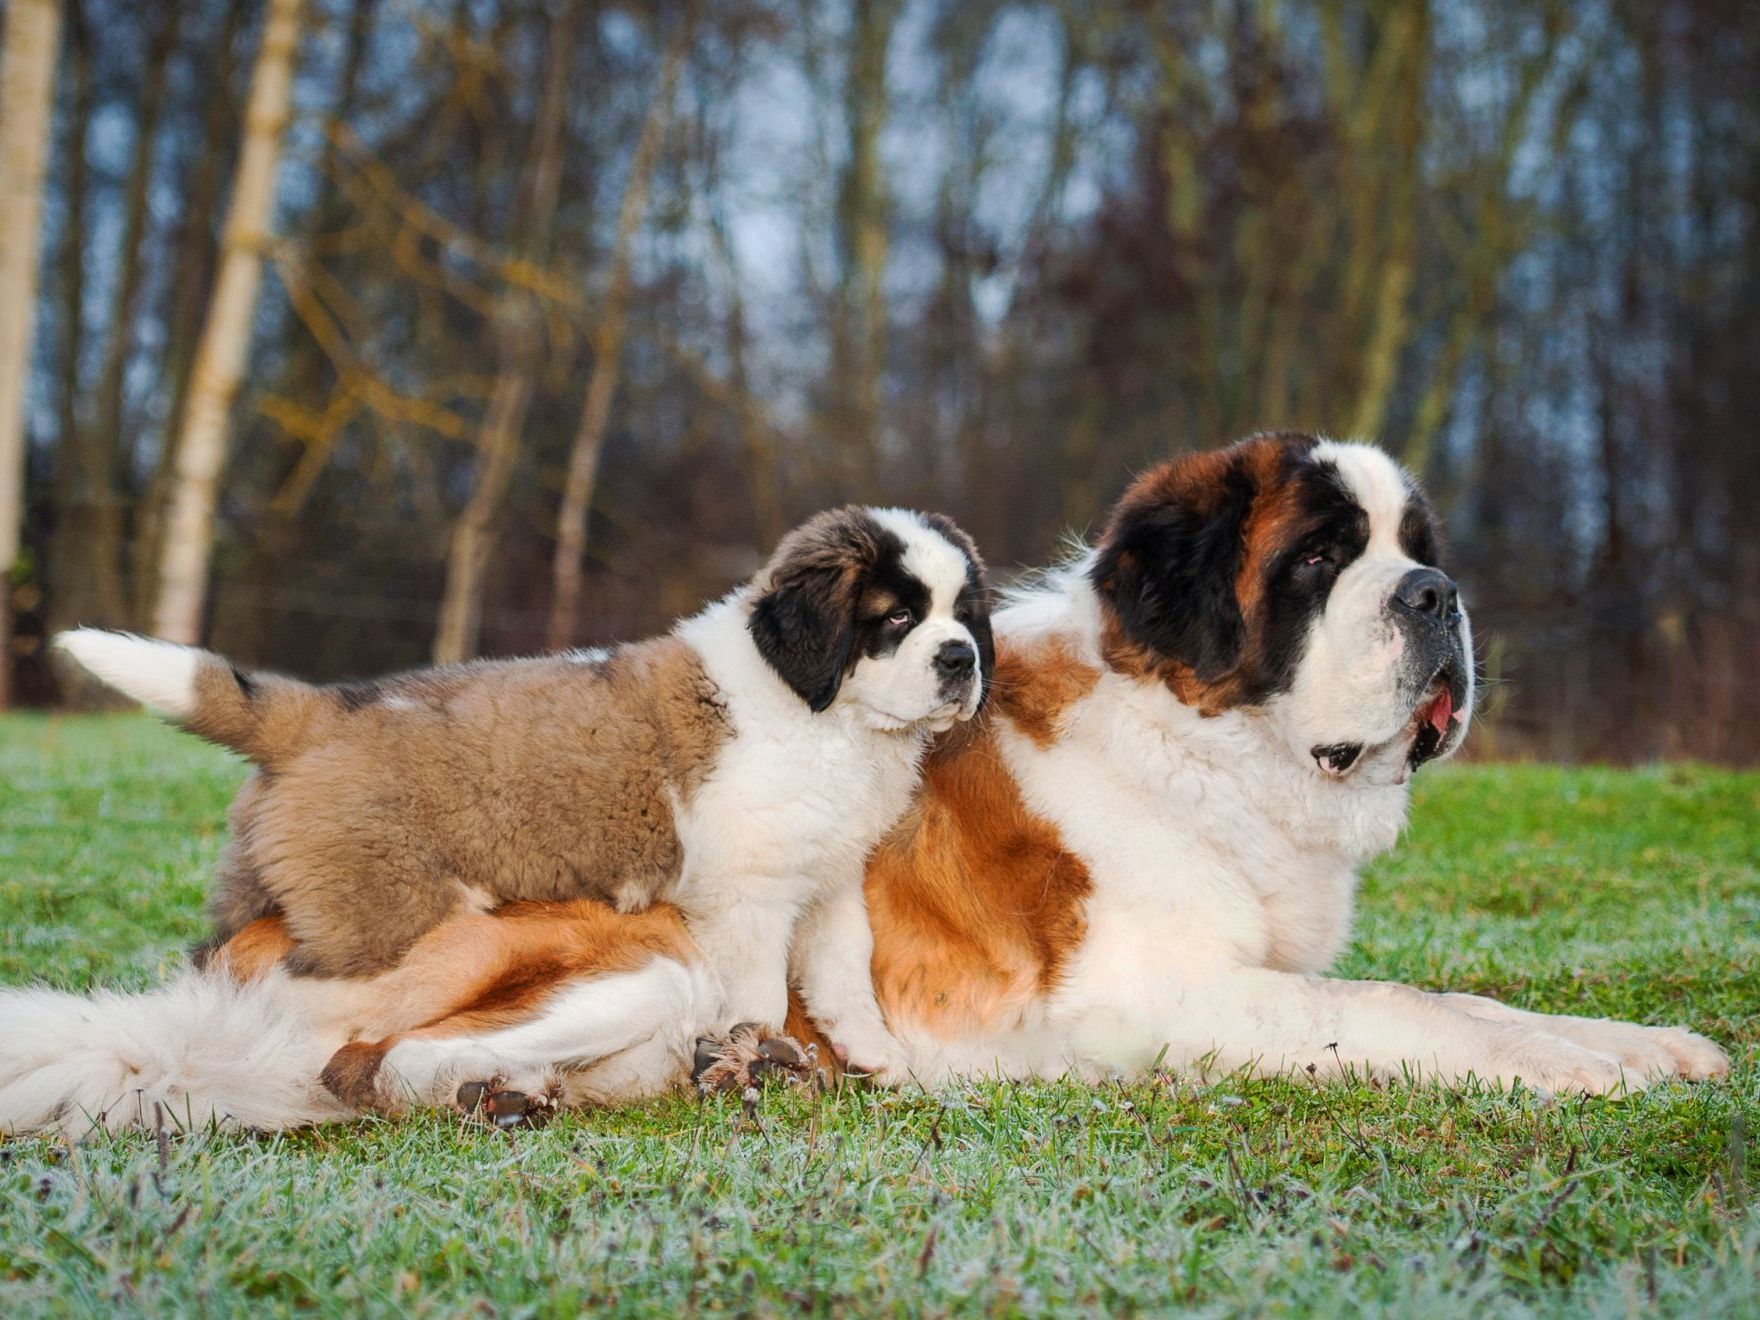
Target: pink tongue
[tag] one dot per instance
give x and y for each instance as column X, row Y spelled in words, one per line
column 1440, row 710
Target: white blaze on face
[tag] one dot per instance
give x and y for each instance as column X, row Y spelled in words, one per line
column 905, row 687
column 1351, row 685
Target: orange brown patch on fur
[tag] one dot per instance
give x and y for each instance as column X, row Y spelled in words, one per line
column 974, row 901
column 1135, row 660
column 352, row 1074
column 804, row 1031
column 1273, row 521
column 1036, row 683
column 254, row 950
column 486, row 971
column 482, row 972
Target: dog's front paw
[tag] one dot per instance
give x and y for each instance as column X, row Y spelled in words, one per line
column 1693, row 1056
column 1657, row 1053
column 747, row 1057
column 1561, row 1067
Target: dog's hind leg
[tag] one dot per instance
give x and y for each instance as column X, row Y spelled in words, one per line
column 603, row 1038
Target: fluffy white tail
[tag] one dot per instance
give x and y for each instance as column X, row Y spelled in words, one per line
column 199, row 1050
column 266, row 717
column 159, row 675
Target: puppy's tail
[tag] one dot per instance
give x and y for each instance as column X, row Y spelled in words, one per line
column 199, row 1050
column 263, row 716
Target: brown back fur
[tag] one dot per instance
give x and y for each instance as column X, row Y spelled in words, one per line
column 534, row 780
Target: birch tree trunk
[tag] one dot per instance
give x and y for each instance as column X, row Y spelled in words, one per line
column 521, row 342
column 220, row 359
column 607, row 344
column 196, row 254
column 27, row 81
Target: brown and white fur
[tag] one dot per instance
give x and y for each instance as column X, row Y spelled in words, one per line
column 741, row 768
column 1145, row 848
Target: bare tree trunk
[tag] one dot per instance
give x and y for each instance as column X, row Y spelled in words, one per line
column 763, row 466
column 220, row 359
column 27, row 82
column 607, row 345
column 862, row 227
column 521, row 340
column 1387, row 312
column 192, row 267
column 272, row 559
column 100, row 534
column 71, row 599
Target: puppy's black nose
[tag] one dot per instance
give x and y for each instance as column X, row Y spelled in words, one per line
column 956, row 659
column 1427, row 593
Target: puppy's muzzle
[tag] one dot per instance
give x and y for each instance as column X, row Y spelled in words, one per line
column 956, row 668
column 956, row 661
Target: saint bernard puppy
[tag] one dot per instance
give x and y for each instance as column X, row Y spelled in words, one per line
column 741, row 769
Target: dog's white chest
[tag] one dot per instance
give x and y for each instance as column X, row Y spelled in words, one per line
column 1191, row 853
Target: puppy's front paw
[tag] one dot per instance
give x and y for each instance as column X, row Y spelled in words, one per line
column 749, row 1056
column 493, row 1103
column 873, row 1055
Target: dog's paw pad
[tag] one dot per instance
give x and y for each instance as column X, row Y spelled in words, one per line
column 503, row 1109
column 748, row 1057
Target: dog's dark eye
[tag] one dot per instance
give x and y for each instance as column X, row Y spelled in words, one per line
column 901, row 618
column 1316, row 560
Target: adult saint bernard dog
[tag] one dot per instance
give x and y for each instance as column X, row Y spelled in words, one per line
column 1141, row 853
column 740, row 769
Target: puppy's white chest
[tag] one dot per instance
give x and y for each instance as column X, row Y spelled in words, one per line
column 808, row 808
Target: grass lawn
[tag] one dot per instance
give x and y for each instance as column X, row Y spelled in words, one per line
column 1631, row 894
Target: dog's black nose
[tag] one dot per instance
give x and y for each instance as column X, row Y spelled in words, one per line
column 1428, row 593
column 956, row 659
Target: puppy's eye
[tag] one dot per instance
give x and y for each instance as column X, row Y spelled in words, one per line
column 900, row 618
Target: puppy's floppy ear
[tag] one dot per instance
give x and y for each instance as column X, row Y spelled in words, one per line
column 1169, row 558
column 976, row 594
column 804, row 626
column 803, row 620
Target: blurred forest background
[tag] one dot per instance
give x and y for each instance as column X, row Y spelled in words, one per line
column 368, row 331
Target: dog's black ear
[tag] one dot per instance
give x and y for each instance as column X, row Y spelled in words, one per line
column 1169, row 559
column 804, row 626
column 804, row 618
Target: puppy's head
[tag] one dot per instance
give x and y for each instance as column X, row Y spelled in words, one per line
column 1301, row 578
column 887, row 609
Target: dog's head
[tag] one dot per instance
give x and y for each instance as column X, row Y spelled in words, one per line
column 887, row 609
column 1301, row 578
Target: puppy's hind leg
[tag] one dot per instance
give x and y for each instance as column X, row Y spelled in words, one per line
column 354, row 903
